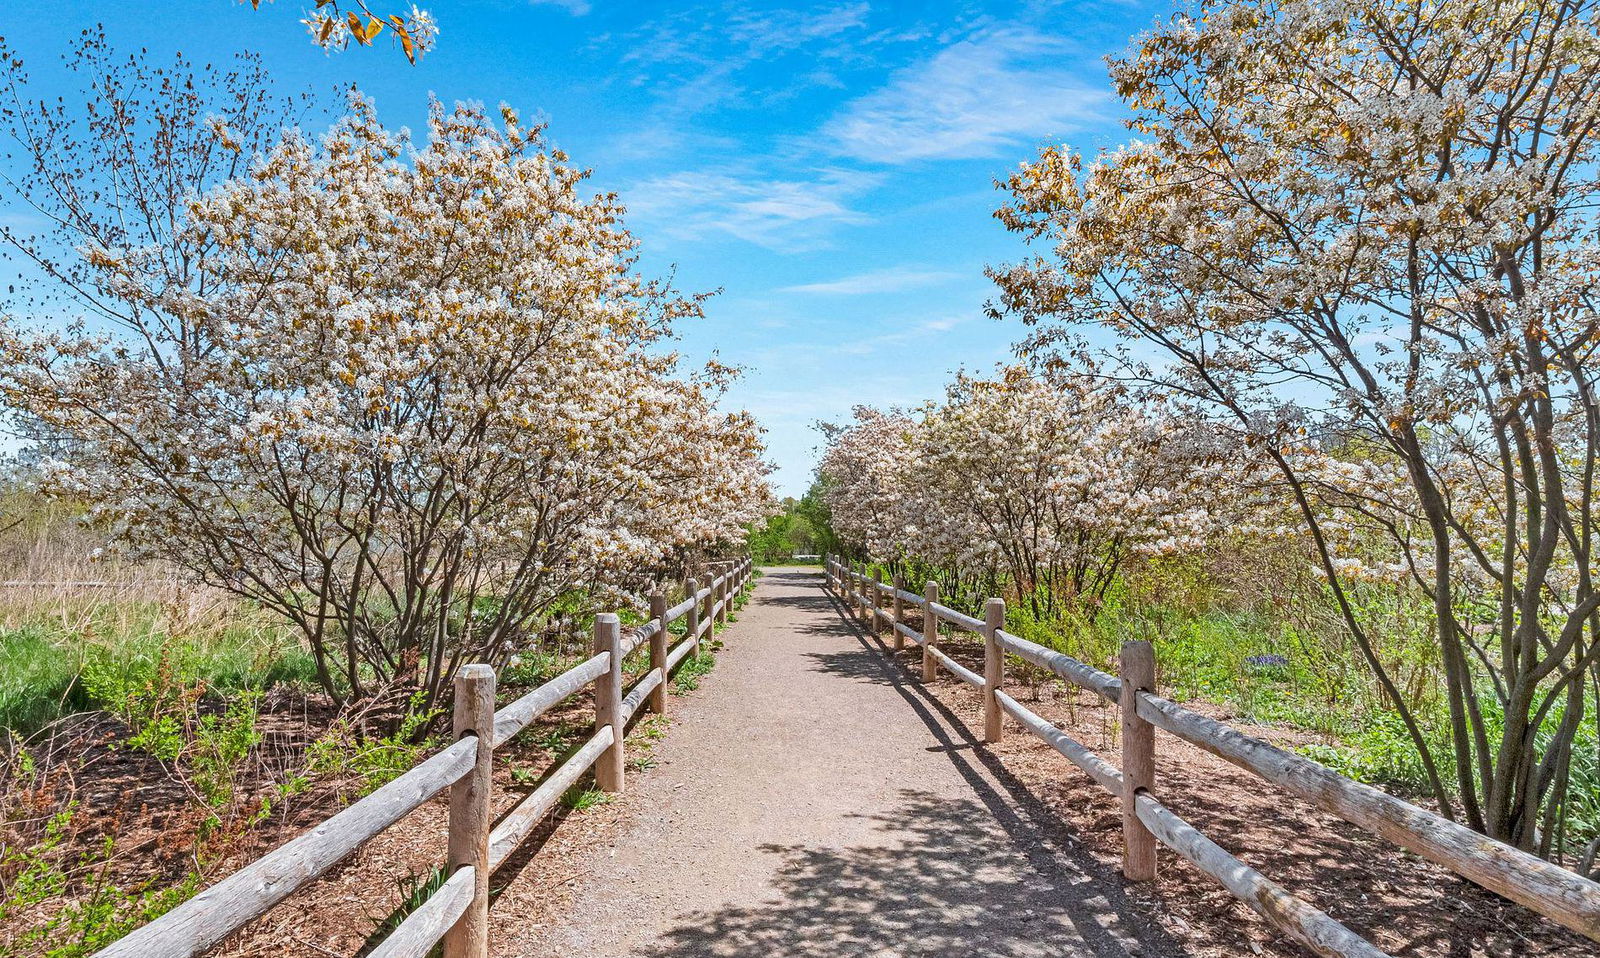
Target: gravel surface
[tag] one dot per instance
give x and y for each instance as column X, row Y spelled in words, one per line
column 812, row 800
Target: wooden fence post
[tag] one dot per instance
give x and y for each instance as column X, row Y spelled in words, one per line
column 658, row 651
column 898, row 583
column 608, row 702
column 691, row 587
column 994, row 668
column 869, row 601
column 705, row 611
column 877, row 600
column 470, row 811
column 1138, row 674
column 930, row 631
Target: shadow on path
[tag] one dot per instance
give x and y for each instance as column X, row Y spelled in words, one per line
column 993, row 874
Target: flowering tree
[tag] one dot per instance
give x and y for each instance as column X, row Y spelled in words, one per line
column 1056, row 481
column 1362, row 235
column 408, row 397
column 1050, row 482
column 869, row 504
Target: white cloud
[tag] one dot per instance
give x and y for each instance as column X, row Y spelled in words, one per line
column 897, row 279
column 698, row 59
column 780, row 214
column 915, row 333
column 575, row 7
column 973, row 98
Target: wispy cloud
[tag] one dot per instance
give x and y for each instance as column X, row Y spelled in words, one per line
column 918, row 332
column 780, row 214
column 697, row 60
column 972, row 98
column 894, row 280
column 577, row 8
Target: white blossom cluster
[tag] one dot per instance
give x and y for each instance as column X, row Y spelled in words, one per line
column 334, row 28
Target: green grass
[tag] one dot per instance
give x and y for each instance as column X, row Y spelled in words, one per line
column 91, row 654
column 1263, row 671
column 38, row 680
column 1316, row 683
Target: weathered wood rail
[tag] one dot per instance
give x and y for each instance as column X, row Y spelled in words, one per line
column 458, row 913
column 1548, row 889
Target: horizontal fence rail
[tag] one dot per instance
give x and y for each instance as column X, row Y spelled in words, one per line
column 1552, row 891
column 456, row 913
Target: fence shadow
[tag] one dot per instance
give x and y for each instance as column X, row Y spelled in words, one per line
column 940, row 885
column 1360, row 879
column 993, row 874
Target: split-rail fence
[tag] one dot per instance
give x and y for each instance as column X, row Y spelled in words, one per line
column 458, row 912
column 1542, row 886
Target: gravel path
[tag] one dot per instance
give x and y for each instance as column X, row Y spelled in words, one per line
column 813, row 800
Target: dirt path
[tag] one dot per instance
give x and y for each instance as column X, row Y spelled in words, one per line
column 811, row 800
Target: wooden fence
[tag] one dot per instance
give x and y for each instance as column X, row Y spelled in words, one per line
column 1548, row 889
column 458, row 913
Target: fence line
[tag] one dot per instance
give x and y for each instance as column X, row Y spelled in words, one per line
column 1552, row 891
column 457, row 914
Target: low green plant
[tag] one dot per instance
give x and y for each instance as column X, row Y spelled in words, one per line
column 642, row 742
column 581, row 798
column 534, row 668
column 693, row 669
column 370, row 761
column 555, row 739
column 415, row 889
column 221, row 744
column 1380, row 753
column 86, row 919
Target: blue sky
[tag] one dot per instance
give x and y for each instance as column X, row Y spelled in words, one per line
column 829, row 166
